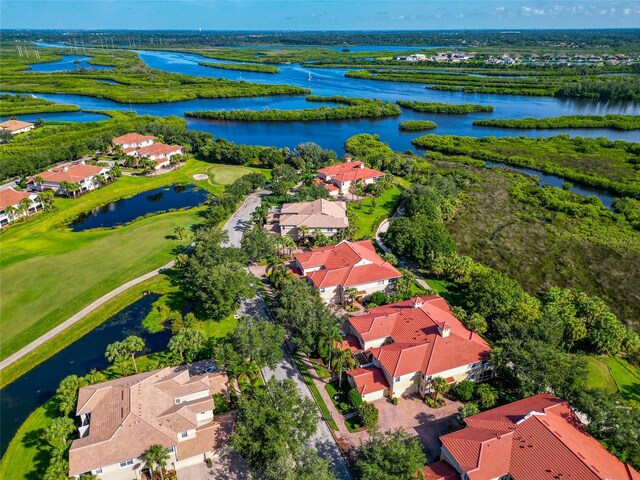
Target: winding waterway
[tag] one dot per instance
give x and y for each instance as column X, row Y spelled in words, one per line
column 34, row 388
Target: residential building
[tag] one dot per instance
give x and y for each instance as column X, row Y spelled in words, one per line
column 159, row 153
column 17, row 126
column 537, row 438
column 320, row 215
column 336, row 269
column 344, row 175
column 120, row 419
column 133, row 140
column 409, row 343
column 74, row 172
column 10, row 206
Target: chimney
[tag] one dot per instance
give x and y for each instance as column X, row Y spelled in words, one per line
column 83, row 162
column 361, row 165
column 444, row 330
column 65, row 169
column 416, row 302
column 347, row 159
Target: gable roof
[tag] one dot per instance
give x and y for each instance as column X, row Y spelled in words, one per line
column 317, row 214
column 350, row 171
column 158, row 149
column 14, row 125
column 440, row 470
column 346, row 264
column 132, row 413
column 537, row 438
column 132, row 138
column 417, row 344
column 9, row 197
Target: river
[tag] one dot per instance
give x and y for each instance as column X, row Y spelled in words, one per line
column 23, row 396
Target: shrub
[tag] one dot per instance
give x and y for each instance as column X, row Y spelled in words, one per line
column 434, row 402
column 467, row 410
column 487, row 395
column 355, row 399
column 221, row 403
column 394, row 400
column 368, row 414
column 343, row 407
column 464, row 390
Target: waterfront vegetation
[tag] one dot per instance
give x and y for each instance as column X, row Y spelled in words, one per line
column 597, row 162
column 603, row 87
column 348, row 108
column 417, row 125
column 39, row 252
column 24, row 104
column 136, row 83
column 243, row 67
column 451, row 108
column 617, row 122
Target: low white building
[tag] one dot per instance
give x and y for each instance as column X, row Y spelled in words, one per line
column 75, row 172
column 343, row 175
column 17, row 126
column 159, row 153
column 409, row 343
column 133, row 140
column 12, row 202
column 121, row 419
column 337, row 269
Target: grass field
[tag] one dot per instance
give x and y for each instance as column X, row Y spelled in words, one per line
column 626, row 377
column 49, row 273
column 599, row 375
column 368, row 218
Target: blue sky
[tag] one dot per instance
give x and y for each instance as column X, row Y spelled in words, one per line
column 318, row 14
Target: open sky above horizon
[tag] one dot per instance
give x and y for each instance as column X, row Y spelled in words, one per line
column 317, row 14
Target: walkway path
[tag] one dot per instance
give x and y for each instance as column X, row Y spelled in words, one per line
column 234, row 226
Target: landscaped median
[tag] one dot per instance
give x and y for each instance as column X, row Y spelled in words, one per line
column 314, row 391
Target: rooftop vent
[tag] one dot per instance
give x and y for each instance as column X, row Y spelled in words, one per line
column 416, row 302
column 444, row 330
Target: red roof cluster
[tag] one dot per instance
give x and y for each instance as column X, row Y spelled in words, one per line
column 132, row 139
column 369, row 379
column 537, row 438
column 159, row 150
column 346, row 264
column 414, row 325
column 350, row 171
column 69, row 172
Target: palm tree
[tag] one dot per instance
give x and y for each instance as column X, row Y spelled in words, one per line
column 272, row 264
column 350, row 295
column 10, row 211
column 327, row 342
column 23, row 206
column 440, row 386
column 38, row 180
column 278, row 274
column 303, row 232
column 45, row 198
column 132, row 345
column 180, row 231
column 156, row 457
column 99, row 180
column 342, row 361
column 261, row 214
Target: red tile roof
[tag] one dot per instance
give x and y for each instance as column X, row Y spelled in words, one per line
column 349, row 342
column 537, row 438
column 15, row 125
column 440, row 470
column 350, row 171
column 132, row 138
column 417, row 344
column 9, row 197
column 69, row 172
column 347, row 264
column 369, row 380
column 159, row 150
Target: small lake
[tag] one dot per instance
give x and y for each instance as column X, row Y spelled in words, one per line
column 34, row 388
column 151, row 201
column 68, row 63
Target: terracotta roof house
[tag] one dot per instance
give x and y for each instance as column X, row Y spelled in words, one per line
column 133, row 140
column 343, row 175
column 160, row 153
column 120, row 419
column 10, row 210
column 537, row 438
column 17, row 126
column 440, row 470
column 337, row 268
column 73, row 172
column 323, row 215
column 409, row 343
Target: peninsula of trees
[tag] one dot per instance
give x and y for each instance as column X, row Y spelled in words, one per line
column 243, row 67
column 417, row 125
column 436, row 107
column 617, row 122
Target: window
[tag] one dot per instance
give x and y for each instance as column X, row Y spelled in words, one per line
column 329, row 229
column 397, row 379
column 126, row 463
column 184, row 434
column 381, row 282
column 176, row 400
column 322, row 290
column 97, row 471
column 172, row 449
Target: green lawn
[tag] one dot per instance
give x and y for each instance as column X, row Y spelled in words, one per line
column 226, row 174
column 49, row 273
column 599, row 375
column 368, row 218
column 626, row 376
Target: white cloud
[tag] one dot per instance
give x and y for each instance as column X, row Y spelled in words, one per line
column 528, row 11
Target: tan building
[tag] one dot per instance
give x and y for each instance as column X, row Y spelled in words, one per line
column 409, row 343
column 327, row 217
column 121, row 419
column 336, row 269
column 17, row 126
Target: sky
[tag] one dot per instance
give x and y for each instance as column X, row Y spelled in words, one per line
column 318, row 14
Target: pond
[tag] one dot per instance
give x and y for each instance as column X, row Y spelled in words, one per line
column 68, row 63
column 34, row 388
column 128, row 209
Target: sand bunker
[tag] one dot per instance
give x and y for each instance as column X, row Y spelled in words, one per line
column 200, row 176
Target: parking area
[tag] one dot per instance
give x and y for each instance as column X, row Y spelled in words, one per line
column 228, row 466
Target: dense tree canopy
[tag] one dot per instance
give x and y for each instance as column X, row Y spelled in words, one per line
column 390, row 455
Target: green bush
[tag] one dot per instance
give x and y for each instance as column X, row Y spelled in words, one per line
column 368, row 414
column 464, row 390
column 394, row 400
column 355, row 399
column 434, row 402
column 221, row 404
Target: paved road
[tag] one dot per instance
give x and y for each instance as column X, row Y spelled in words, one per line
column 235, row 226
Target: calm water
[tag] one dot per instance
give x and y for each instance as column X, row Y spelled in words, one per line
column 20, row 398
column 68, row 63
column 128, row 209
column 61, row 117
